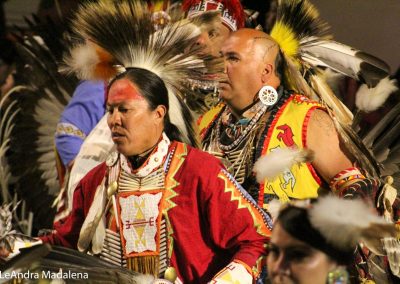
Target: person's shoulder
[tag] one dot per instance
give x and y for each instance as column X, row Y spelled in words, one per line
column 90, row 88
column 299, row 99
column 97, row 173
column 202, row 158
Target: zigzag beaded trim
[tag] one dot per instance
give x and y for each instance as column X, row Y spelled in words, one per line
column 267, row 219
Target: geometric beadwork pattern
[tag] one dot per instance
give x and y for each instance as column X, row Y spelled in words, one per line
column 139, row 216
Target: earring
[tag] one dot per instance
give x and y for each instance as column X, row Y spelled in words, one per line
column 268, row 95
column 338, row 276
column 212, row 99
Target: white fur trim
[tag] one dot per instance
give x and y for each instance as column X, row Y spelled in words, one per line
column 370, row 99
column 279, row 160
column 342, row 221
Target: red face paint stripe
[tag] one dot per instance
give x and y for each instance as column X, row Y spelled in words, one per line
column 124, row 90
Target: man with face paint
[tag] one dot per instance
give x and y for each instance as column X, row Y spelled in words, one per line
column 151, row 167
column 87, row 105
column 149, row 207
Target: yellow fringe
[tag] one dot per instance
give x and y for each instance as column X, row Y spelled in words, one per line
column 144, row 264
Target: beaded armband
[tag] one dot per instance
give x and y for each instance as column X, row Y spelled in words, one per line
column 64, row 128
column 345, row 179
column 351, row 183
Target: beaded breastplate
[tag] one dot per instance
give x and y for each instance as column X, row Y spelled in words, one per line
column 238, row 155
column 136, row 238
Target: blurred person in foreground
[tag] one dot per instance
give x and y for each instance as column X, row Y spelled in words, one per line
column 310, row 244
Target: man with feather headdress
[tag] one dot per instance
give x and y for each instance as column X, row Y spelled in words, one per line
column 82, row 116
column 277, row 111
column 261, row 116
column 148, row 207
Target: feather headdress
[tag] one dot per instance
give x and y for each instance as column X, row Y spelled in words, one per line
column 118, row 35
column 232, row 12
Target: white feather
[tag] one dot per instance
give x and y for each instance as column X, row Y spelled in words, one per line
column 82, row 61
column 279, row 160
column 331, row 215
column 175, row 115
column 99, row 236
column 341, row 58
column 333, row 79
column 370, row 99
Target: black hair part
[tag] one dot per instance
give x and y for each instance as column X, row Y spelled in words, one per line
column 154, row 91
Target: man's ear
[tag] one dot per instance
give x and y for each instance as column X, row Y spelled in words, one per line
column 160, row 112
column 267, row 71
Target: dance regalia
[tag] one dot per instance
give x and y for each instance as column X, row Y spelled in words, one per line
column 155, row 209
column 285, row 125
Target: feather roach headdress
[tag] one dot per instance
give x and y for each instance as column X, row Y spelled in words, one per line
column 232, row 12
column 116, row 35
column 307, row 46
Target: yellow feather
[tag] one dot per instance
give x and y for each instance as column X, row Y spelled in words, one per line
column 286, row 38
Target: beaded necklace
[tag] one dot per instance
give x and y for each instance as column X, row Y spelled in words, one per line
column 260, row 110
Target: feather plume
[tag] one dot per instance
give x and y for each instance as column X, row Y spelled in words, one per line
column 340, row 111
column 39, row 103
column 125, row 31
column 233, row 6
column 352, row 218
column 286, row 38
column 354, row 63
column 279, row 160
column 302, row 18
column 51, row 259
column 207, row 21
column 295, row 20
column 333, row 79
column 370, row 99
column 93, row 217
column 90, row 62
column 83, row 61
column 295, row 81
column 382, row 126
